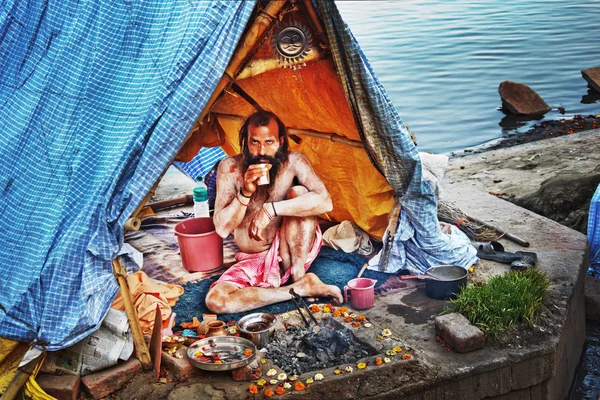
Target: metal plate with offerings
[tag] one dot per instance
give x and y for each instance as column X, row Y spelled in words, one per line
column 221, row 353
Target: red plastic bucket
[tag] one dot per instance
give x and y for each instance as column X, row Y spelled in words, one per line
column 200, row 247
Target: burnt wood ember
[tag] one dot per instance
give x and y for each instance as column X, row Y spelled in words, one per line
column 298, row 349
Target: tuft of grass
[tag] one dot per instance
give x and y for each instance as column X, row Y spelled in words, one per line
column 503, row 301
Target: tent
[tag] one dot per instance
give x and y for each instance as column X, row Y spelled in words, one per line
column 98, row 98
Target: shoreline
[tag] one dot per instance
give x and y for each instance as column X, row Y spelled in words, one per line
column 545, row 129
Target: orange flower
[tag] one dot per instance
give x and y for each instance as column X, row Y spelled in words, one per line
column 356, row 324
column 269, row 392
column 343, row 310
column 378, row 361
column 314, row 308
column 336, row 313
column 361, row 317
column 329, row 305
column 280, row 390
column 406, row 356
column 248, row 353
column 348, row 319
column 299, row 386
column 253, row 389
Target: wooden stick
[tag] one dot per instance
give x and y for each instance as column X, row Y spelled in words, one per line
column 177, row 201
column 332, row 137
column 362, row 270
column 141, row 348
column 133, row 224
column 502, row 233
column 21, row 377
column 315, row 20
column 257, row 67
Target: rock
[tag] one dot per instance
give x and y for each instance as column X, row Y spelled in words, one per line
column 458, row 332
column 518, row 98
column 592, row 76
column 592, row 297
column 564, row 198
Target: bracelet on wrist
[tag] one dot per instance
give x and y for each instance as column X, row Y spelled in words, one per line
column 243, row 200
column 266, row 210
column 243, row 195
column 274, row 210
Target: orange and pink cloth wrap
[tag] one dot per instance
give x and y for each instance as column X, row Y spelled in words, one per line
column 262, row 269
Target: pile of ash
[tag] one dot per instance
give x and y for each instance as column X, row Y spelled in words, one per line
column 298, row 349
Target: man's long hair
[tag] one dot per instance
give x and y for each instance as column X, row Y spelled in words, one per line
column 262, row 118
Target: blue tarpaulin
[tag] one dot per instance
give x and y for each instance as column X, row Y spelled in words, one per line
column 96, row 98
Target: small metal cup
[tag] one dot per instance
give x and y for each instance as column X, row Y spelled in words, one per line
column 264, row 180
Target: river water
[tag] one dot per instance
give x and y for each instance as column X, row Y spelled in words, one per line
column 441, row 62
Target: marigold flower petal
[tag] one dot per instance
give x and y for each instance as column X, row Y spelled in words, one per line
column 280, row 390
column 361, row 365
column 378, row 361
column 406, row 356
column 261, row 382
column 253, row 389
column 299, row 386
column 310, row 380
column 269, row 392
column 397, row 349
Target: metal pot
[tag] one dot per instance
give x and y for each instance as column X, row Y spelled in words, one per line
column 442, row 282
column 258, row 328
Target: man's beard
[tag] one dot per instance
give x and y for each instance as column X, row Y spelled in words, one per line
column 276, row 162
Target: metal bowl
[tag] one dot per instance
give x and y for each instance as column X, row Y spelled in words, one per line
column 258, row 327
column 221, row 344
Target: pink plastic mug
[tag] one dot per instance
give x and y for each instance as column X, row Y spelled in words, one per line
column 363, row 294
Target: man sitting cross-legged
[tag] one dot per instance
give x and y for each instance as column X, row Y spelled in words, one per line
column 274, row 225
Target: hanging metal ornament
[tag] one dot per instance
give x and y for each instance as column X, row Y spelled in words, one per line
column 292, row 43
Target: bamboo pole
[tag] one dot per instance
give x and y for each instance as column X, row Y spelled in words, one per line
column 141, row 348
column 332, row 137
column 20, row 378
column 257, row 67
column 315, row 20
column 177, row 201
column 133, row 224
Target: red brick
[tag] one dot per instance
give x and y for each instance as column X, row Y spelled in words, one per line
column 63, row 387
column 179, row 368
column 102, row 383
column 459, row 333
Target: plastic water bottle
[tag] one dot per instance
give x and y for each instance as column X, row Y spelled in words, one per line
column 201, row 199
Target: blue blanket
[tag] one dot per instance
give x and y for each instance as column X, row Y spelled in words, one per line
column 333, row 267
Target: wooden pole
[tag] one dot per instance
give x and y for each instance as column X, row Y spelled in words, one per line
column 332, row 137
column 257, row 67
column 315, row 20
column 20, row 378
column 141, row 348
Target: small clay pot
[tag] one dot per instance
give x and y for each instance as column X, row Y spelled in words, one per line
column 216, row 328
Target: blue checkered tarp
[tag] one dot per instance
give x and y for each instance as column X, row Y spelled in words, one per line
column 593, row 234
column 96, row 98
column 202, row 163
column 417, row 242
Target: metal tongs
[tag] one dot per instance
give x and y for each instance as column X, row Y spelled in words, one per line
column 301, row 305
